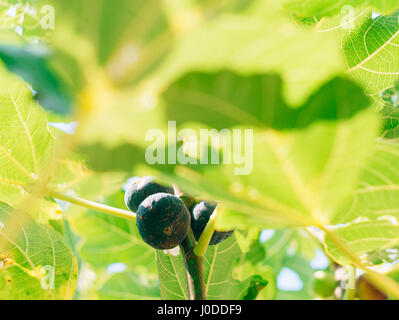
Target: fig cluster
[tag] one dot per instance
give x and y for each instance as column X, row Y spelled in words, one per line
column 164, row 219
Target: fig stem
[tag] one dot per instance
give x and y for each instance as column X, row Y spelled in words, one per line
column 206, row 235
column 94, row 205
column 350, row 291
column 194, row 268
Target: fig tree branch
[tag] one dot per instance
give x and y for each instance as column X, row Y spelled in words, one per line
column 194, row 268
column 94, row 205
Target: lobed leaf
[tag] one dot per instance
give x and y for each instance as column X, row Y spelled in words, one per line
column 26, row 147
column 362, row 238
column 371, row 51
column 378, row 187
column 218, row 266
column 35, row 263
column 302, row 174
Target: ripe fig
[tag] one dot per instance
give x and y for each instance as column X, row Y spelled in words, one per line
column 200, row 214
column 163, row 220
column 140, row 189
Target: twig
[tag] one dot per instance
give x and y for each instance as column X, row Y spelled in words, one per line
column 94, row 205
column 194, row 269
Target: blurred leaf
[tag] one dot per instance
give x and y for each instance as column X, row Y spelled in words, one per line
column 107, row 239
column 299, row 177
column 27, row 20
column 124, row 117
column 262, row 285
column 129, row 285
column 263, row 39
column 277, row 247
column 35, row 262
column 303, row 269
column 129, row 38
column 71, row 239
column 324, row 284
column 290, row 248
column 256, row 253
column 31, row 64
column 251, row 44
column 122, row 158
column 224, row 99
column 255, row 287
column 325, row 8
column 212, row 9
column 74, row 177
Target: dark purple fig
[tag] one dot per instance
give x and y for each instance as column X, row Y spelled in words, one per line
column 200, row 214
column 163, row 220
column 140, row 189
